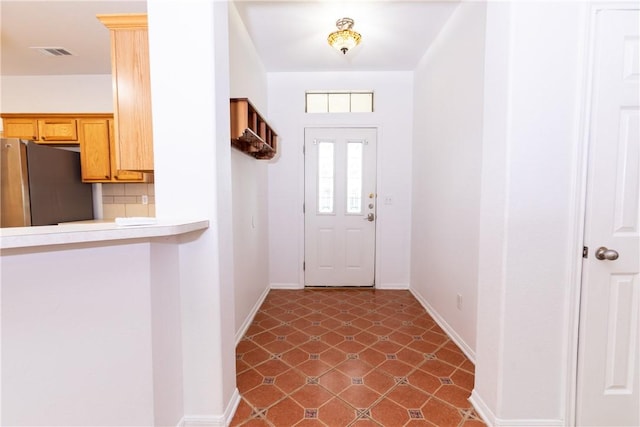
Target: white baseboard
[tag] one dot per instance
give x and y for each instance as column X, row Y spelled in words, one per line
column 247, row 321
column 213, row 420
column 230, row 410
column 377, row 286
column 528, row 423
column 482, row 409
column 201, row 421
column 468, row 351
column 490, row 418
column 286, row 286
column 402, row 286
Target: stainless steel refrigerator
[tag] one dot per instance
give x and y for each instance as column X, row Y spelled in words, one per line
column 41, row 185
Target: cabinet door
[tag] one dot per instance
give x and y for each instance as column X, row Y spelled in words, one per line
column 95, row 150
column 21, row 128
column 134, row 138
column 121, row 175
column 57, row 130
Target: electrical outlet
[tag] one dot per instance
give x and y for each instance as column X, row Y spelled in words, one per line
column 145, row 199
column 459, row 301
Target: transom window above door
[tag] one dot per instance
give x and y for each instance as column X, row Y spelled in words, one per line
column 339, row 102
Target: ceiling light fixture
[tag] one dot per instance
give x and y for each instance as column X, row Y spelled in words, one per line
column 345, row 38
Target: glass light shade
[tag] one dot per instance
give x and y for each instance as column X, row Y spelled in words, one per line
column 343, row 40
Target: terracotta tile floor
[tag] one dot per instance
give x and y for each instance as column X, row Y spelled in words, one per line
column 356, row 357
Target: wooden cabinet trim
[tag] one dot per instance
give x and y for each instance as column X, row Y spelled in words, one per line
column 124, row 21
column 56, row 115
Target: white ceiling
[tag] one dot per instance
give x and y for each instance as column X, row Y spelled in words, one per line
column 292, row 35
column 69, row 24
column 289, row 35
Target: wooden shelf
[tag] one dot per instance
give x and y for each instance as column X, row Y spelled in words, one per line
column 250, row 132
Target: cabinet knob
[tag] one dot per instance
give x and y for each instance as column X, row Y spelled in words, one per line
column 44, row 138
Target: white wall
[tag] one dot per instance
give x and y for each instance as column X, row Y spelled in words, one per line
column 447, row 159
column 393, row 117
column 193, row 180
column 56, row 94
column 248, row 77
column 528, row 212
column 169, row 356
column 76, row 336
column 166, row 331
column 249, row 182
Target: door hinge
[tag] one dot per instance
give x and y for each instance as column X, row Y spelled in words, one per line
column 585, row 252
column 303, row 150
column 304, row 208
column 304, row 266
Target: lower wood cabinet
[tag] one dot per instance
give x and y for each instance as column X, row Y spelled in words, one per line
column 97, row 153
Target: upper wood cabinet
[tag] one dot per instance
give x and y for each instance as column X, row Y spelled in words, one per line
column 57, row 130
column 20, row 128
column 95, row 150
column 92, row 131
column 250, row 132
column 132, row 90
column 97, row 153
column 43, row 129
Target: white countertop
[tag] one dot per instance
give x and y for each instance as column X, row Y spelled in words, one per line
column 92, row 231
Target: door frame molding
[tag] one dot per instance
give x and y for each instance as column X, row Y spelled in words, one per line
column 302, row 241
column 579, row 202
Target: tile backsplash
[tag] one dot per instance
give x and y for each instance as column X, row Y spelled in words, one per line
column 126, row 200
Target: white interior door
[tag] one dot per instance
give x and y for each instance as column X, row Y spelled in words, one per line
column 340, row 206
column 608, row 372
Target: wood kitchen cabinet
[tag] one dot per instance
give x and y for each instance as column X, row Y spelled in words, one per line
column 97, row 153
column 93, row 132
column 50, row 129
column 132, row 90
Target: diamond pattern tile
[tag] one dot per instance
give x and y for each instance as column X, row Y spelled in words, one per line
column 356, row 358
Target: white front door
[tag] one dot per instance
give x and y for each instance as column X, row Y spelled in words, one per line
column 608, row 361
column 340, row 206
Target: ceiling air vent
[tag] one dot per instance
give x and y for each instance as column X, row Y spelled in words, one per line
column 53, row 51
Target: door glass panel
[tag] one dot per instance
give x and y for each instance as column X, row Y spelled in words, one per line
column 354, row 177
column 326, row 177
